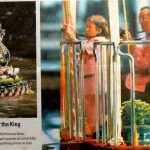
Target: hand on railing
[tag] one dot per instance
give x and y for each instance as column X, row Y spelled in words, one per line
column 69, row 32
column 126, row 36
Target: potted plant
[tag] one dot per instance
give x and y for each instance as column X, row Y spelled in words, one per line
column 142, row 119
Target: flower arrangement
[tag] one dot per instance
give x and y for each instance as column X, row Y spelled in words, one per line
column 142, row 113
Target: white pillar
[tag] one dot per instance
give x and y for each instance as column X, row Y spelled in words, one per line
column 113, row 15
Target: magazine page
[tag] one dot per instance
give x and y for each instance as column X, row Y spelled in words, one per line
column 95, row 74
column 20, row 111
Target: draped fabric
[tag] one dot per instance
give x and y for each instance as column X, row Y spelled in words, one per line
column 68, row 16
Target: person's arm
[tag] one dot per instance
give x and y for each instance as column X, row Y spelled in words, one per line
column 142, row 58
column 69, row 32
column 141, row 55
column 127, row 37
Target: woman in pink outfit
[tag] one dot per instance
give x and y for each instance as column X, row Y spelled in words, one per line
column 141, row 54
column 96, row 30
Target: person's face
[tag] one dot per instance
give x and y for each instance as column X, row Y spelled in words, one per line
column 144, row 19
column 91, row 29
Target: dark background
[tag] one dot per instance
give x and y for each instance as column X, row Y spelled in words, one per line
column 18, row 19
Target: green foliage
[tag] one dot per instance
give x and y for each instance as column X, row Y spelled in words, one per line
column 142, row 113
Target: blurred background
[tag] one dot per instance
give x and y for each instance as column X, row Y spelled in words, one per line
column 51, row 19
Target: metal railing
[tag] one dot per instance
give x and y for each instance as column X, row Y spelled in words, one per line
column 106, row 68
column 132, row 76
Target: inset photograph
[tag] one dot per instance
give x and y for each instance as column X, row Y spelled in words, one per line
column 18, row 60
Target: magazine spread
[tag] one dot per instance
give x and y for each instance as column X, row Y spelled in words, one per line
column 74, row 74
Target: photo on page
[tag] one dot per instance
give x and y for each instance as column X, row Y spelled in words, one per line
column 20, row 112
column 95, row 73
column 18, row 60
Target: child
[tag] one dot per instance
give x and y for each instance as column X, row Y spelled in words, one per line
column 96, row 31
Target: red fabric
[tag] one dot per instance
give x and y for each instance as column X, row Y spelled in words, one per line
column 90, row 111
column 140, row 82
column 89, row 83
column 142, row 59
column 142, row 64
column 89, row 64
